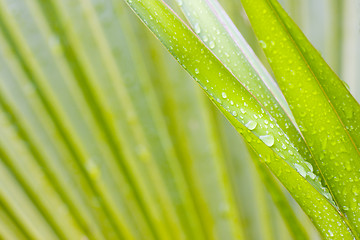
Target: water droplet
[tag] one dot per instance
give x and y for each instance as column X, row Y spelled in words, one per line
column 268, row 140
column 300, row 169
column 197, row 28
column 234, row 113
column 197, row 71
column 309, row 166
column 223, row 94
column 327, row 195
column 311, row 175
column 212, row 44
column 355, row 190
column 262, row 43
column 251, row 125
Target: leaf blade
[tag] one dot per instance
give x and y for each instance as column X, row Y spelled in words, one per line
column 188, row 50
column 306, row 80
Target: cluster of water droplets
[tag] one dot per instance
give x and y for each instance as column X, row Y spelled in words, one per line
column 270, row 133
column 260, row 124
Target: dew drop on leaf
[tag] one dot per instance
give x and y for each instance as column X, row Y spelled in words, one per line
column 212, row 44
column 309, row 166
column 311, row 175
column 268, row 140
column 251, row 125
column 197, row 28
column 262, row 43
column 300, row 169
column 355, row 190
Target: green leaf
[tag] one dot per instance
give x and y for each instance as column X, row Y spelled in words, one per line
column 222, row 88
column 280, row 201
column 218, row 33
column 327, row 115
column 103, row 135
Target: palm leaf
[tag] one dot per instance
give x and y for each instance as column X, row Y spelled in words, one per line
column 216, row 81
column 320, row 101
column 104, row 136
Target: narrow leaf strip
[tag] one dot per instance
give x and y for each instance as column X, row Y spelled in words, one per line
column 280, row 200
column 324, row 216
column 326, row 113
